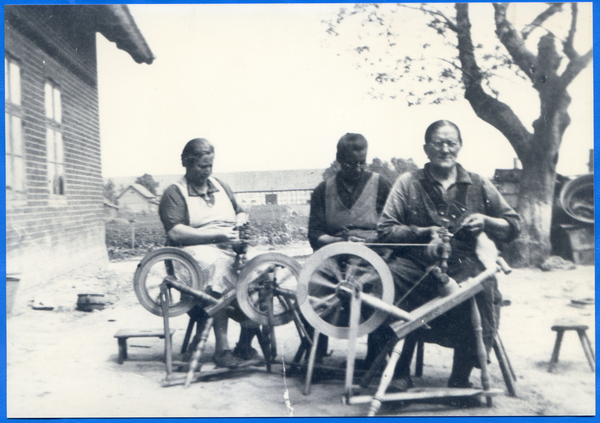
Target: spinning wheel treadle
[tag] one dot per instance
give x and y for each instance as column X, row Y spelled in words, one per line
column 152, row 271
column 335, row 272
column 268, row 284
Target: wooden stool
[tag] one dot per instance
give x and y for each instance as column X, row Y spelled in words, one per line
column 123, row 334
column 585, row 343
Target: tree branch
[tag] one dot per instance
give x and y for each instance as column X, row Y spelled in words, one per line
column 435, row 12
column 511, row 40
column 487, row 108
column 568, row 47
column 540, row 19
column 575, row 67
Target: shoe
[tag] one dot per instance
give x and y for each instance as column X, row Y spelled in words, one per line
column 402, row 384
column 245, row 353
column 461, row 384
column 226, row 359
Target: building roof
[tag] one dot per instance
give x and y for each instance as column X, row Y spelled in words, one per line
column 273, row 180
column 115, row 22
column 260, row 181
column 141, row 189
column 111, row 20
column 107, row 204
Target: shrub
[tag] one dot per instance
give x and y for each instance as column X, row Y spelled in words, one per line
column 269, row 225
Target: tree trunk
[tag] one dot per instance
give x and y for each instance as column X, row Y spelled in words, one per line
column 535, row 209
column 536, row 197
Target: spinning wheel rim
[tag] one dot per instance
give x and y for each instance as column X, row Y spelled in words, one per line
column 248, row 275
column 151, row 259
column 315, row 262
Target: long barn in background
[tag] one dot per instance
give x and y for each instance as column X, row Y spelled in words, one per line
column 54, row 189
column 283, row 187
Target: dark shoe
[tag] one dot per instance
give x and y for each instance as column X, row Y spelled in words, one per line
column 226, row 359
column 465, row 402
column 459, row 384
column 402, row 384
column 245, row 353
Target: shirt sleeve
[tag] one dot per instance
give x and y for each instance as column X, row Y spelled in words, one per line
column 383, row 192
column 317, row 225
column 392, row 227
column 173, row 209
column 496, row 206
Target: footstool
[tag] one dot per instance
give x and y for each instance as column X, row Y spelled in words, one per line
column 585, row 343
column 123, row 334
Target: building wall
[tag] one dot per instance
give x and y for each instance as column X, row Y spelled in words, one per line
column 132, row 201
column 285, row 198
column 50, row 234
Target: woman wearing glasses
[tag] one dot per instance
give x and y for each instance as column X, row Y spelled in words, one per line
column 347, row 207
column 445, row 195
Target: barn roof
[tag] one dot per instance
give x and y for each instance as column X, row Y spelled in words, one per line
column 141, row 189
column 273, row 180
column 259, row 181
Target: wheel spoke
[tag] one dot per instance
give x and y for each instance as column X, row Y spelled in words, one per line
column 320, row 302
column 333, row 266
column 321, row 281
column 331, row 306
column 255, row 289
column 336, row 316
column 352, row 267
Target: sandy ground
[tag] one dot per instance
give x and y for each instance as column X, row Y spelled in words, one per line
column 63, row 362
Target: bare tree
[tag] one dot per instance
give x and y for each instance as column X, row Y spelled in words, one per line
column 550, row 70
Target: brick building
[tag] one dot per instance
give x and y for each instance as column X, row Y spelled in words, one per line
column 54, row 190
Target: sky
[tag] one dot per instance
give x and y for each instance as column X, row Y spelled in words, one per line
column 271, row 89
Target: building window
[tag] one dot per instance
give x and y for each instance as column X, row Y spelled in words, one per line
column 54, row 139
column 271, row 198
column 13, row 129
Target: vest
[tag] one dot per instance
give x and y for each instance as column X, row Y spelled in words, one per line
column 203, row 214
column 361, row 219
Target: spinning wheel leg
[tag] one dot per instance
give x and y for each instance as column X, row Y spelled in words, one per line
column 481, row 354
column 198, row 352
column 505, row 367
column 311, row 362
column 386, row 379
column 164, row 302
column 354, row 322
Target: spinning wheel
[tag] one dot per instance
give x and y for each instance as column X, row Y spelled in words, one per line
column 172, row 263
column 333, row 276
column 268, row 291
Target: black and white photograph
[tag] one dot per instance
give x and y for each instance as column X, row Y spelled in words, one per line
column 299, row 210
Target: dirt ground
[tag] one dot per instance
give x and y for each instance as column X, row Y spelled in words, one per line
column 63, row 362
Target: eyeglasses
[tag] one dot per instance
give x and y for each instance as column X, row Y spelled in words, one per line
column 438, row 145
column 358, row 165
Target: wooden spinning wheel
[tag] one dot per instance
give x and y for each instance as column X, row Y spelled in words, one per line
column 175, row 264
column 333, row 276
column 268, row 291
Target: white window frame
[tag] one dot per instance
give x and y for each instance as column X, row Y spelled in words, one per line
column 54, row 139
column 16, row 173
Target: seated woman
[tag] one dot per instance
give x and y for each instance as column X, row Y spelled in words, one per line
column 199, row 213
